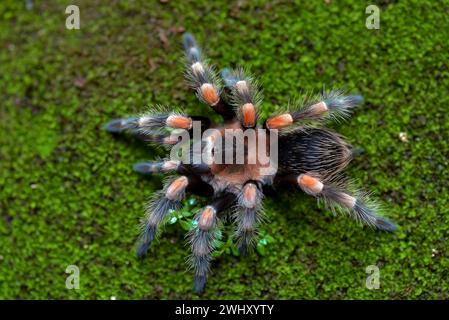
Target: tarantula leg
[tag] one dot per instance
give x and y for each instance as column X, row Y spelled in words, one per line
column 156, row 167
column 245, row 96
column 332, row 105
column 158, row 209
column 129, row 125
column 247, row 216
column 229, row 78
column 202, row 78
column 120, row 125
column 356, row 207
column 148, row 123
column 171, row 166
column 152, row 121
column 203, row 239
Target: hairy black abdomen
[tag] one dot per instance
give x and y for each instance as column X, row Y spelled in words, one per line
column 313, row 150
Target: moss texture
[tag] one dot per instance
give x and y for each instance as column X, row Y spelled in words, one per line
column 68, row 195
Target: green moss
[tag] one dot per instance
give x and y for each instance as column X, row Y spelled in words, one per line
column 68, row 194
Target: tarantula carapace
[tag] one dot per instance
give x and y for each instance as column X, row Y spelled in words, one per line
column 307, row 157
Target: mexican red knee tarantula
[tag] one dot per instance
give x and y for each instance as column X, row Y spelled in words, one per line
column 309, row 157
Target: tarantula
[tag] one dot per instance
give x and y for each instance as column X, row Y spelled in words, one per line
column 310, row 158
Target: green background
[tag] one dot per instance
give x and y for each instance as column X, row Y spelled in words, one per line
column 68, row 194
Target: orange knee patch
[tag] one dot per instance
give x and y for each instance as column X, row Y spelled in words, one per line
column 176, row 188
column 310, row 183
column 180, row 122
column 207, row 217
column 249, row 115
column 281, row 121
column 209, row 94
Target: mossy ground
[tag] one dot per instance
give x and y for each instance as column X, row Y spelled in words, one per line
column 68, row 195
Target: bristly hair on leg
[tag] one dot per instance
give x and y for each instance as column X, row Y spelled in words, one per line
column 159, row 206
column 240, row 95
column 155, row 215
column 356, row 204
column 333, row 105
column 247, row 215
column 153, row 126
column 200, row 75
column 161, row 166
column 247, row 231
column 203, row 242
column 121, row 125
column 340, row 105
column 244, row 94
column 161, row 120
column 191, row 49
column 368, row 211
column 229, row 79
